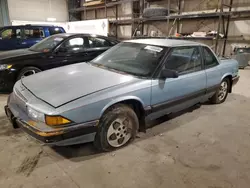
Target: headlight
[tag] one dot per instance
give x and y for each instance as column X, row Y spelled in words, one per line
column 56, row 120
column 49, row 120
column 35, row 115
column 5, row 66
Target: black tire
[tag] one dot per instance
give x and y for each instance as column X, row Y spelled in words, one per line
column 27, row 69
column 114, row 113
column 155, row 12
column 217, row 99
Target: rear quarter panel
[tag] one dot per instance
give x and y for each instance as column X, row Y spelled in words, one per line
column 228, row 67
column 215, row 75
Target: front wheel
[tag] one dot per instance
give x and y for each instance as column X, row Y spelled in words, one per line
column 28, row 71
column 117, row 128
column 222, row 92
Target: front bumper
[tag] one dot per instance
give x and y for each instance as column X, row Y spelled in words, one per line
column 73, row 134
column 235, row 80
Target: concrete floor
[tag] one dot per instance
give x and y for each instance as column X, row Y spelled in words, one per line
column 204, row 147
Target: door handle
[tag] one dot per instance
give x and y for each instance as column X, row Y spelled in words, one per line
column 51, row 57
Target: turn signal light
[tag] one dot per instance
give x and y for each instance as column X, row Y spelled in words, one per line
column 44, row 134
column 56, row 120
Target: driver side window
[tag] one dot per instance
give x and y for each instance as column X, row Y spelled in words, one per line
column 73, row 45
column 184, row 60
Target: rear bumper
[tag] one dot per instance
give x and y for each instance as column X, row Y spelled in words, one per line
column 74, row 134
column 235, row 80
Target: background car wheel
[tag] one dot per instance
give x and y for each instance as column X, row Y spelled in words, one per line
column 117, row 128
column 27, row 71
column 222, row 92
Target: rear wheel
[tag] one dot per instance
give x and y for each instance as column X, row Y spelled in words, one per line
column 117, row 128
column 27, row 71
column 222, row 92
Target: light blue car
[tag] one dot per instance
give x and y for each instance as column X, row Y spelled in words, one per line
column 109, row 99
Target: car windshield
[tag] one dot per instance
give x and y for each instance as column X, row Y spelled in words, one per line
column 132, row 58
column 47, row 44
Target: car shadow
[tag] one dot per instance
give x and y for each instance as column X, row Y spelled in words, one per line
column 82, row 152
column 79, row 152
column 171, row 116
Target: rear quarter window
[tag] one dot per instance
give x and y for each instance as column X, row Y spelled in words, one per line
column 209, row 58
column 34, row 32
column 55, row 30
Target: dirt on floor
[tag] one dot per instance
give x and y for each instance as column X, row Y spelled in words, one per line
column 206, row 146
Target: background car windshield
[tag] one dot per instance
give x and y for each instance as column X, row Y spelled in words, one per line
column 47, row 44
column 132, row 58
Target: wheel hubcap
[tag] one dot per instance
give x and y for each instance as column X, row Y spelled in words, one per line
column 119, row 132
column 223, row 90
column 29, row 72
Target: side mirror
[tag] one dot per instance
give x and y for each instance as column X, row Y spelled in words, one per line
column 167, row 73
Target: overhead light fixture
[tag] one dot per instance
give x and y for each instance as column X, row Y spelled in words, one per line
column 51, row 19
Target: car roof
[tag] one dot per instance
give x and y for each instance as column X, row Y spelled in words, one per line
column 165, row 42
column 80, row 34
column 35, row 25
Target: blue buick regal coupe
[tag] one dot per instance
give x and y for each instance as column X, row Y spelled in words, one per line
column 109, row 99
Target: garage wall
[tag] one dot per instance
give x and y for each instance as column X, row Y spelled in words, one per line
column 4, row 14
column 124, row 12
column 38, row 10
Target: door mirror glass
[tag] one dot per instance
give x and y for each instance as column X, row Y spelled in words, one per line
column 167, row 73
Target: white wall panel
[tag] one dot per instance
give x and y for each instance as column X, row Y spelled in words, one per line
column 38, row 10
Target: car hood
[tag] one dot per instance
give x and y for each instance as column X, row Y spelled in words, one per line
column 16, row 53
column 65, row 84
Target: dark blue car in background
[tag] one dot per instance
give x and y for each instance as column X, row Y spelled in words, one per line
column 25, row 36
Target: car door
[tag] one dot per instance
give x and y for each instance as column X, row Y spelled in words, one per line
column 49, row 60
column 32, row 35
column 212, row 71
column 74, row 50
column 96, row 46
column 175, row 94
column 10, row 38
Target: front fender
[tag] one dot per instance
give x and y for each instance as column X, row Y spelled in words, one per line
column 121, row 99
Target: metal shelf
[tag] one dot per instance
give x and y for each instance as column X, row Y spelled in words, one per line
column 119, row 2
column 94, row 7
column 185, row 16
column 224, row 14
column 87, row 8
